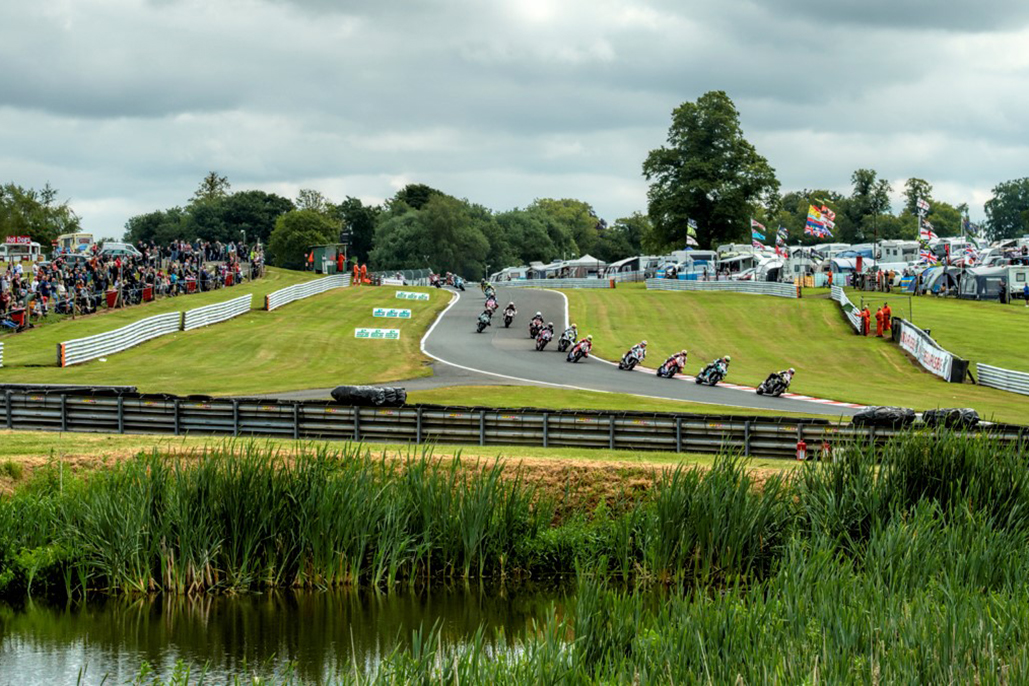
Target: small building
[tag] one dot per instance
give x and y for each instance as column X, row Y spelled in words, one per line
column 326, row 257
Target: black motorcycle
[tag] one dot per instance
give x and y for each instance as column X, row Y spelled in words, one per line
column 544, row 337
column 508, row 318
column 534, row 328
column 669, row 369
column 774, row 386
column 711, row 374
column 564, row 342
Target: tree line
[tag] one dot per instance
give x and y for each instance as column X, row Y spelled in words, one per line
column 707, row 173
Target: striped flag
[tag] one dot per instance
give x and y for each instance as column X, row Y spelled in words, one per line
column 922, row 204
column 758, row 244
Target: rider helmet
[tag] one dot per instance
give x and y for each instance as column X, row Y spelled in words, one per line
column 550, row 324
column 589, row 338
column 643, row 344
column 539, row 314
column 792, row 370
column 727, row 358
column 683, row 352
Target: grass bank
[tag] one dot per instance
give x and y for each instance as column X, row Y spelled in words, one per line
column 764, row 334
column 306, row 344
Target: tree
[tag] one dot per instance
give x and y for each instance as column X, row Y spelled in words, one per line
column 1007, row 212
column 295, row 234
column 915, row 190
column 37, row 214
column 212, row 187
column 870, row 200
column 161, row 227
column 527, row 235
column 445, row 235
column 359, row 219
column 252, row 212
column 708, row 172
column 634, row 229
column 310, row 199
column 415, row 195
column 577, row 218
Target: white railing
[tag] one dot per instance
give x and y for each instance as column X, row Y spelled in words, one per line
column 219, row 312
column 109, row 342
column 850, row 310
column 305, row 290
column 1004, row 379
column 781, row 290
column 628, row 277
column 555, row 283
column 1, row 354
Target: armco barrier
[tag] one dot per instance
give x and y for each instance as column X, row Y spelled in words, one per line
column 850, row 310
column 219, row 312
column 781, row 290
column 305, row 290
column 928, row 353
column 160, row 414
column 109, row 342
column 1004, row 379
column 556, row 283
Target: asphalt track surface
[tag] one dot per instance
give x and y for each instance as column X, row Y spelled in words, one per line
column 509, row 356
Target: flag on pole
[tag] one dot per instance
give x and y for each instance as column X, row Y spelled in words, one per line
column 757, row 235
column 922, row 204
column 691, row 227
column 926, row 231
column 828, row 214
column 782, row 233
column 756, row 228
column 757, row 244
column 691, row 241
column 926, row 255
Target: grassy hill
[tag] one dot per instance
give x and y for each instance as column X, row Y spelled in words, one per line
column 306, row 344
column 764, row 334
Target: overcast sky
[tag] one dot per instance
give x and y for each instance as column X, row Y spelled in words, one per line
column 124, row 105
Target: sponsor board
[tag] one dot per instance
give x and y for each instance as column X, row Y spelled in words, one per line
column 411, row 295
column 920, row 346
column 391, row 313
column 381, row 334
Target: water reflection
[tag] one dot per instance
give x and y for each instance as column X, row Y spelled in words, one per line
column 321, row 632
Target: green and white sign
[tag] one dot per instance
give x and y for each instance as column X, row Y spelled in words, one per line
column 391, row 313
column 411, row 295
column 381, row 334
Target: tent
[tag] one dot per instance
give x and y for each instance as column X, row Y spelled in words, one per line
column 982, row 283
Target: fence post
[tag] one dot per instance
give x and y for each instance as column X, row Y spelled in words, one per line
column 611, row 429
column 64, row 412
column 235, row 418
column 121, row 414
column 175, row 405
column 746, row 438
column 10, row 413
column 296, row 421
column 482, row 427
column 546, row 430
column 418, row 426
column 678, row 434
column 357, row 423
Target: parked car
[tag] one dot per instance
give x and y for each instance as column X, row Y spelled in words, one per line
column 114, row 249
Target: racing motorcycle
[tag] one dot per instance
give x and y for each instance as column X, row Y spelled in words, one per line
column 711, row 374
column 581, row 350
column 630, row 360
column 458, row 282
column 670, row 368
column 484, row 321
column 774, row 386
column 508, row 318
column 491, row 304
column 564, row 341
column 545, row 335
column 534, row 327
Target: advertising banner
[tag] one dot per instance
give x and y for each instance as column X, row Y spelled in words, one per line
column 410, row 295
column 391, row 313
column 381, row 334
column 928, row 353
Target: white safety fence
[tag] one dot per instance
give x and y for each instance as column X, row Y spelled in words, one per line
column 1004, row 379
column 219, row 312
column 109, row 342
column 781, row 290
column 305, row 290
column 1, row 354
column 627, row 277
column 556, row 283
column 850, row 310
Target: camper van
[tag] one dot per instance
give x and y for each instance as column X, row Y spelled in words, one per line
column 897, row 251
column 73, row 243
column 830, row 250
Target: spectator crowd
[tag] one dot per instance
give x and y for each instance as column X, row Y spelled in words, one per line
column 81, row 283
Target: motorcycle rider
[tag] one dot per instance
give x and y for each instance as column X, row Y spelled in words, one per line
column 639, row 350
column 786, row 376
column 678, row 359
column 486, row 318
column 537, row 319
column 722, row 363
column 491, row 304
column 585, row 345
column 571, row 333
column 510, row 310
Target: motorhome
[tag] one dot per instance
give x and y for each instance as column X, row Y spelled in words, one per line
column 897, row 251
column 830, row 250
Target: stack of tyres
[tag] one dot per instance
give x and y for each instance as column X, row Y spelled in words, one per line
column 370, row 396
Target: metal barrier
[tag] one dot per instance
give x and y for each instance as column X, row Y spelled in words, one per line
column 1004, row 379
column 91, row 347
column 627, row 277
column 557, row 283
column 927, row 352
column 161, row 414
column 219, row 312
column 781, row 290
column 850, row 310
column 1, row 354
column 305, row 290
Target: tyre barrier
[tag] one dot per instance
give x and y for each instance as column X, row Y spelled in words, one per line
column 114, row 411
column 369, row 396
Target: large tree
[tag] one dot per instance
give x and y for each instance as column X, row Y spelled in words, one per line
column 864, row 212
column 37, row 214
column 296, row 233
column 709, row 173
column 1007, row 212
column 212, row 187
column 359, row 219
column 574, row 217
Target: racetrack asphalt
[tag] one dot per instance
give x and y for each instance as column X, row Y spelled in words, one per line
column 510, row 356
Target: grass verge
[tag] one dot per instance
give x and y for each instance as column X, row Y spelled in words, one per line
column 764, row 334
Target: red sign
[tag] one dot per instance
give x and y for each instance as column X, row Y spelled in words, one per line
column 19, row 240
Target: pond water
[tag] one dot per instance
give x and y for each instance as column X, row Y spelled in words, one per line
column 320, row 633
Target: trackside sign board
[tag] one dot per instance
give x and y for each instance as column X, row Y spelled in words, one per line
column 380, row 334
column 410, row 295
column 391, row 313
column 928, row 353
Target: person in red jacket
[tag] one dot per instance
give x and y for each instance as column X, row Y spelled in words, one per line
column 879, row 316
column 866, row 320
column 887, row 317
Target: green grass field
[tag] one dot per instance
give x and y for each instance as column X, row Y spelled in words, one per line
column 559, row 398
column 306, row 344
column 764, row 334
